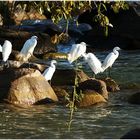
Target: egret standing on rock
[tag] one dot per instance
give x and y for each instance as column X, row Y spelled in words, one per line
column 76, row 51
column 28, row 47
column 110, row 59
column 93, row 62
column 48, row 73
column 6, row 50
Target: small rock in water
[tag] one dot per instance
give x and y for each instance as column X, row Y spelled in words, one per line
column 96, row 85
column 135, row 98
column 132, row 134
column 112, row 86
column 89, row 98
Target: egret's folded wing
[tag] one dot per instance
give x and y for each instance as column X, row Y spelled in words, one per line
column 73, row 52
column 109, row 60
column 94, row 63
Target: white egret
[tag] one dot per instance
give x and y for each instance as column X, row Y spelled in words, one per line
column 93, row 62
column 110, row 59
column 6, row 50
column 48, row 73
column 29, row 47
column 76, row 51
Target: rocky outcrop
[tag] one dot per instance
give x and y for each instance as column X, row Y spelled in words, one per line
column 25, row 86
column 18, row 39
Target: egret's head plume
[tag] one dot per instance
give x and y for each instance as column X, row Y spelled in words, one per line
column 53, row 62
column 34, row 37
column 117, row 48
column 83, row 43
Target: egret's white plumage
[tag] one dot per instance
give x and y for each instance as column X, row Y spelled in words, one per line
column 48, row 73
column 29, row 46
column 6, row 50
column 93, row 62
column 110, row 59
column 76, row 51
column 0, row 48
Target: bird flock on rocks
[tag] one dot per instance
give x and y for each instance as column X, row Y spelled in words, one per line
column 77, row 50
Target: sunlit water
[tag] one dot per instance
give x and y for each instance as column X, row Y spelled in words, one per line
column 110, row 121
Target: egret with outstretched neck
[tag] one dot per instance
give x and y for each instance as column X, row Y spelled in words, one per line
column 110, row 59
column 48, row 73
column 93, row 62
column 76, row 51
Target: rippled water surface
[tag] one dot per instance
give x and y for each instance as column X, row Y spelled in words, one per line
column 111, row 121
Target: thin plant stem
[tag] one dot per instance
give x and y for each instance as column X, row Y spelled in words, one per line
column 72, row 105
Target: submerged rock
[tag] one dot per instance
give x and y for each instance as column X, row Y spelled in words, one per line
column 132, row 134
column 90, row 97
column 135, row 98
column 29, row 89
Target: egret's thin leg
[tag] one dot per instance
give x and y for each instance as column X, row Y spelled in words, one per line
column 30, row 57
column 106, row 73
column 93, row 75
column 109, row 70
column 6, row 64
